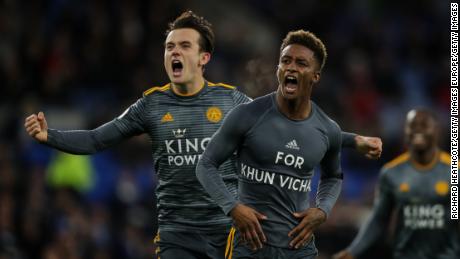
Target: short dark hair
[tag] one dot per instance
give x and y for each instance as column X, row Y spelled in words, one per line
column 309, row 40
column 189, row 19
column 427, row 111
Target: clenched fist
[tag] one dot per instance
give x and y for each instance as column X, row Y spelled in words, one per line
column 37, row 127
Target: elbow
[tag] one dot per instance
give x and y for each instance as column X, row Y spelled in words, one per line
column 201, row 170
column 81, row 152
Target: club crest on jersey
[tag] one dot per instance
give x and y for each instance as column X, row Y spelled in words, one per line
column 167, row 118
column 441, row 188
column 179, row 133
column 214, row 114
column 404, row 187
column 292, row 145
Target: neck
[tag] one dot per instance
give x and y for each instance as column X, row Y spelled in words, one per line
column 424, row 157
column 295, row 109
column 189, row 88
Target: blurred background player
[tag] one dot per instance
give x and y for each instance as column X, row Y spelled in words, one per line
column 279, row 139
column 179, row 118
column 415, row 188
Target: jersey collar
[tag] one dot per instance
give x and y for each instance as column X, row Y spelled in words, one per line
column 189, row 96
column 428, row 166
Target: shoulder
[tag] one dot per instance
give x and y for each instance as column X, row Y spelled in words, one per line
column 444, row 158
column 391, row 172
column 222, row 88
column 156, row 90
column 396, row 163
column 260, row 104
column 245, row 116
column 253, row 110
column 329, row 124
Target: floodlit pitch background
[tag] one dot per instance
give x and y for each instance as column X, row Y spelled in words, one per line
column 84, row 62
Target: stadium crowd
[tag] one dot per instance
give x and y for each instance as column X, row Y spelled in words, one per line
column 75, row 59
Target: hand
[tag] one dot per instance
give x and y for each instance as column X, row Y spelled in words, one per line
column 371, row 147
column 344, row 254
column 37, row 127
column 310, row 219
column 246, row 220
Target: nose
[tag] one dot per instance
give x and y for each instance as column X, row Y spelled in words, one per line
column 291, row 67
column 418, row 128
column 175, row 52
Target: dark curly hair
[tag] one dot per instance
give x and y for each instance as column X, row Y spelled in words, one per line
column 309, row 40
column 189, row 19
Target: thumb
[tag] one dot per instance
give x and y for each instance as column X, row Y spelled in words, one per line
column 260, row 215
column 300, row 214
column 42, row 120
column 41, row 116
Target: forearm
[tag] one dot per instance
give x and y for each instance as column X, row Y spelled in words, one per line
column 348, row 139
column 367, row 236
column 84, row 142
column 328, row 192
column 209, row 176
column 375, row 225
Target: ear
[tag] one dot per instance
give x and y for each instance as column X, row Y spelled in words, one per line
column 278, row 70
column 204, row 58
column 316, row 77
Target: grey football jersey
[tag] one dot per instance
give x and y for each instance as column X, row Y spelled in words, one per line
column 180, row 128
column 420, row 196
column 276, row 161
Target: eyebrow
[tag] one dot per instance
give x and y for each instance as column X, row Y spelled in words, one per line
column 180, row 43
column 296, row 59
column 302, row 59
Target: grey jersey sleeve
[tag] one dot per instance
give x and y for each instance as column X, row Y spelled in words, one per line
column 377, row 222
column 331, row 174
column 348, row 139
column 222, row 145
column 84, row 142
column 239, row 98
column 132, row 121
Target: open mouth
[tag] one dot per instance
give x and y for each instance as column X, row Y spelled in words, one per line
column 290, row 84
column 177, row 67
column 418, row 139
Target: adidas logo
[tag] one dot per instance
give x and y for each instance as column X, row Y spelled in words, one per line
column 178, row 133
column 292, row 145
column 167, row 118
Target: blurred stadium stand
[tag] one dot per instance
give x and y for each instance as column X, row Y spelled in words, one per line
column 84, row 62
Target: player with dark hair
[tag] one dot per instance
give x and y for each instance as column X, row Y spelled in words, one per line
column 279, row 138
column 180, row 118
column 189, row 20
column 415, row 186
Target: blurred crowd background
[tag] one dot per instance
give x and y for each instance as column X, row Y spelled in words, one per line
column 83, row 62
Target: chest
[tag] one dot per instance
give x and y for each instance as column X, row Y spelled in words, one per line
column 197, row 119
column 286, row 146
column 427, row 187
